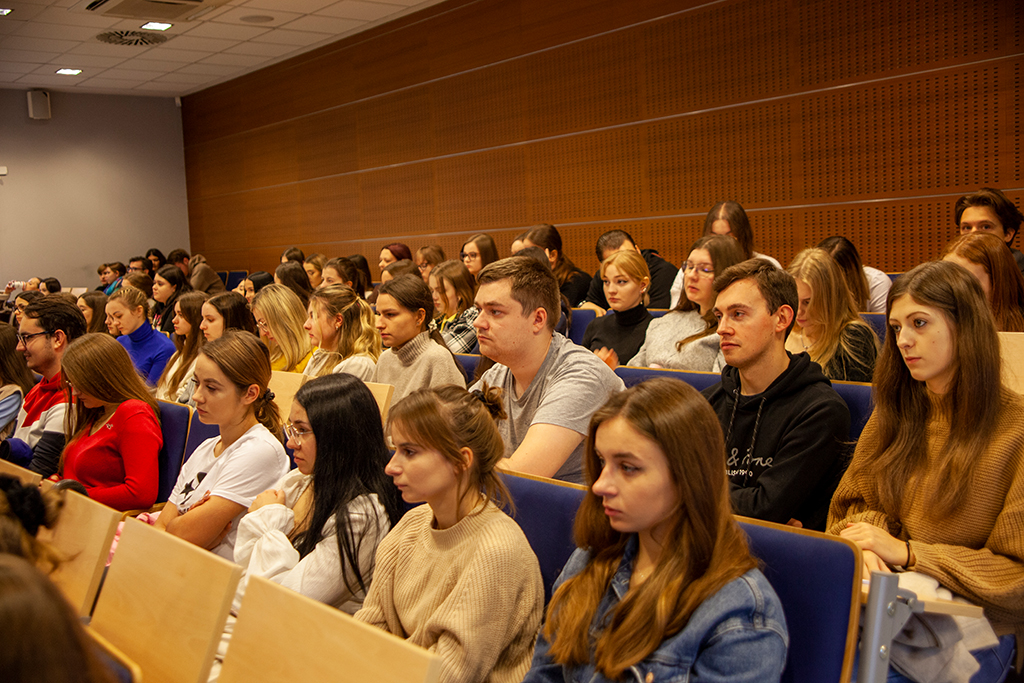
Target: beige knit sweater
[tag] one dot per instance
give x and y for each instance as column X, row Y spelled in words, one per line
column 472, row 594
column 978, row 551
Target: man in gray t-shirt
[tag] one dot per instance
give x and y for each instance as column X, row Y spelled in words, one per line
column 551, row 386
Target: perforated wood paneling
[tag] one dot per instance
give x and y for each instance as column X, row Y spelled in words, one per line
column 728, row 52
column 843, row 39
column 858, row 117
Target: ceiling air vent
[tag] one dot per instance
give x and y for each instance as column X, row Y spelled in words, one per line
column 131, row 38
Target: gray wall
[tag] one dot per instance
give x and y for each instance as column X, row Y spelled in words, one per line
column 102, row 180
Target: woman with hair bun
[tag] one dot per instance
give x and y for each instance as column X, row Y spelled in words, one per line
column 663, row 586
column 225, row 473
column 456, row 576
column 416, row 357
column 24, row 510
column 128, row 312
column 113, row 427
column 342, row 328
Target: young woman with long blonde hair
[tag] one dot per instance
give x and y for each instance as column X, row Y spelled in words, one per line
column 342, row 328
column 280, row 316
column 662, row 586
column 828, row 326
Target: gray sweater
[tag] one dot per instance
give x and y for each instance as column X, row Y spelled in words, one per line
column 659, row 348
column 421, row 364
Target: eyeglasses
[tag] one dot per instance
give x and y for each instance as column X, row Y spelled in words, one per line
column 24, row 338
column 294, row 433
column 703, row 269
column 262, row 324
column 463, row 255
column 423, row 266
column 135, row 269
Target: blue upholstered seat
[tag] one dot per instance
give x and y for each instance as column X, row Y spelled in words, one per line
column 235, row 278
column 581, row 317
column 174, row 426
column 546, row 512
column 198, row 433
column 818, row 579
column 468, row 361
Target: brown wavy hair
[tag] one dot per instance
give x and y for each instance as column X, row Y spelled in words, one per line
column 904, row 407
column 1007, row 283
column 704, row 549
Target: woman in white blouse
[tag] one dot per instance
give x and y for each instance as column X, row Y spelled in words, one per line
column 316, row 532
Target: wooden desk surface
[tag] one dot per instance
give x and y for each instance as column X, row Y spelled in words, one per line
column 936, row 605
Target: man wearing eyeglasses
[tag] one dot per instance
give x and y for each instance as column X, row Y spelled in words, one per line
column 47, row 327
column 140, row 264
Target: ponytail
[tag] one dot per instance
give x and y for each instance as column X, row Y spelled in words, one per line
column 245, row 361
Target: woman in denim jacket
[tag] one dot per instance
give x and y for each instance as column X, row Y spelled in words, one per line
column 663, row 587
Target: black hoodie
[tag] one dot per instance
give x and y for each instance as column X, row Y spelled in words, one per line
column 786, row 447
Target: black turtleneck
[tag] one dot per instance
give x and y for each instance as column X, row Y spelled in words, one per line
column 623, row 331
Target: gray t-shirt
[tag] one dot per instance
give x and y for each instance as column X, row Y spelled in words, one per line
column 571, row 384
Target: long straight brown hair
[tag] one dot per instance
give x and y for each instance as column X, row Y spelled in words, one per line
column 724, row 252
column 187, row 349
column 704, row 548
column 903, row 407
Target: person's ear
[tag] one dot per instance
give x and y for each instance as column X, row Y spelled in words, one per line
column 784, row 317
column 421, row 316
column 539, row 320
column 468, row 458
column 58, row 340
column 251, row 393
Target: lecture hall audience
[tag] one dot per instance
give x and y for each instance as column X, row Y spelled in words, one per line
column 770, row 440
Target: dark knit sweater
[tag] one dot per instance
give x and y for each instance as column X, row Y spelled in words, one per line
column 624, row 332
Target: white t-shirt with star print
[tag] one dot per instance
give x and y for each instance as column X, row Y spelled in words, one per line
column 244, row 470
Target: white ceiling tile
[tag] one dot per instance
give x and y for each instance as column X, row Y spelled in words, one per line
column 17, row 67
column 262, row 49
column 160, row 66
column 304, row 6
column 128, row 74
column 236, row 15
column 104, row 50
column 58, row 31
column 177, row 77
column 8, row 26
column 54, row 15
column 91, row 60
column 297, row 38
column 234, row 60
column 21, row 11
column 110, row 83
column 187, row 42
column 172, row 55
column 214, row 29
column 318, row 24
column 26, row 56
column 7, row 77
column 165, row 88
column 39, row 44
column 41, row 79
column 356, row 9
column 209, row 69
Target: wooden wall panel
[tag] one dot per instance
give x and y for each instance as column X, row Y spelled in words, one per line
column 858, row 117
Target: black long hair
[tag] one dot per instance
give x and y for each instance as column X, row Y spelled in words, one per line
column 350, row 459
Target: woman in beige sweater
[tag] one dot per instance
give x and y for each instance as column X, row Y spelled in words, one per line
column 457, row 575
column 936, row 485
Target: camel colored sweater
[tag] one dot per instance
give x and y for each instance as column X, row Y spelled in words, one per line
column 472, row 593
column 977, row 551
column 421, row 363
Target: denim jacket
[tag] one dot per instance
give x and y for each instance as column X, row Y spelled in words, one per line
column 735, row 636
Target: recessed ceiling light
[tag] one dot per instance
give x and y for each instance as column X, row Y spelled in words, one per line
column 69, row 72
column 156, row 26
column 5, row 12
column 256, row 19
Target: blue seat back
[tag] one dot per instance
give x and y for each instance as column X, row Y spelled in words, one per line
column 174, row 426
column 223, row 275
column 546, row 512
column 581, row 317
column 858, row 399
column 235, row 278
column 818, row 580
column 658, row 312
column 878, row 324
column 468, row 362
column 698, row 380
column 198, row 433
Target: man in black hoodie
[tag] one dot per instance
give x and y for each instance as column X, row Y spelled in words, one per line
column 785, row 428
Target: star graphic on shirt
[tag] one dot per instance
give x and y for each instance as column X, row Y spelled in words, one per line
column 189, row 487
